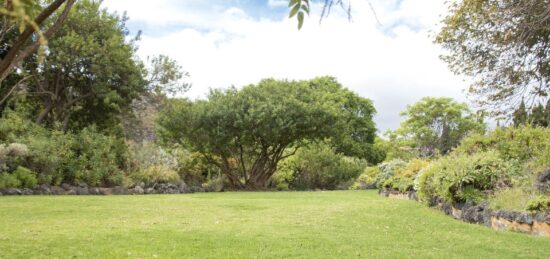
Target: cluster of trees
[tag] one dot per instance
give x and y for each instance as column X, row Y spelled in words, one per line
column 538, row 116
column 77, row 106
column 69, row 113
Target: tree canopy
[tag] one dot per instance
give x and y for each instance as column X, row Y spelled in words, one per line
column 504, row 46
column 436, row 125
column 90, row 74
column 247, row 132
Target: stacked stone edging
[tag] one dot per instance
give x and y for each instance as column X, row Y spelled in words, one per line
column 534, row 224
column 65, row 189
column 409, row 195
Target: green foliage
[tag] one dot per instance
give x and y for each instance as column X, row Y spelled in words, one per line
column 539, row 204
column 395, row 147
column 388, row 170
column 512, row 199
column 214, row 184
column 11, row 155
column 436, row 125
column 508, row 60
column 98, row 158
column 403, row 177
column 367, row 180
column 194, row 169
column 461, row 178
column 299, row 8
column 26, row 177
column 20, row 178
column 539, row 115
column 58, row 157
column 524, row 143
column 90, row 75
column 155, row 174
column 318, row 166
column 246, row 132
column 9, row 181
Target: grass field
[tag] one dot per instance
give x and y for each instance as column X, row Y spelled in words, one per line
column 345, row 224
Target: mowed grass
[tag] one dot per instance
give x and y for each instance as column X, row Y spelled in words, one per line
column 345, row 224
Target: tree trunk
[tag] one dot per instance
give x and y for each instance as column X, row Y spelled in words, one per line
column 44, row 113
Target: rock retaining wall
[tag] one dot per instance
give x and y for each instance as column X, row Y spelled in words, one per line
column 65, row 189
column 534, row 224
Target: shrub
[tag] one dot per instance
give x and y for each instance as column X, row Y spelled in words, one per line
column 388, row 170
column 403, row 177
column 318, row 166
column 11, row 155
column 8, row 181
column 26, row 177
column 193, row 168
column 215, row 184
column 367, row 180
column 99, row 159
column 522, row 143
column 539, row 204
column 156, row 174
column 460, row 178
column 20, row 178
column 59, row 157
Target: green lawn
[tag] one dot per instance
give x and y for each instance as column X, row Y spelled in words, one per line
column 250, row 225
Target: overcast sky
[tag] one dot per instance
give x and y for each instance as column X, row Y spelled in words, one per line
column 221, row 43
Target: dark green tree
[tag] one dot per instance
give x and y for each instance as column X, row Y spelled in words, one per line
column 247, row 132
column 90, row 75
column 538, row 116
column 520, row 116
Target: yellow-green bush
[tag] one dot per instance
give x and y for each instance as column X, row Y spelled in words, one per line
column 540, row 203
column 403, row 179
column 367, row 180
column 155, row 174
column 461, row 177
column 21, row 177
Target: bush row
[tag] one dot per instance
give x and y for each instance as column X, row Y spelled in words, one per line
column 505, row 168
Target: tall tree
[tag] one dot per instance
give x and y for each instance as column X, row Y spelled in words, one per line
column 538, row 116
column 90, row 75
column 504, row 45
column 247, row 132
column 436, row 125
column 520, row 116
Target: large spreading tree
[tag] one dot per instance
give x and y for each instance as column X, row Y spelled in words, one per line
column 504, row 45
column 247, row 132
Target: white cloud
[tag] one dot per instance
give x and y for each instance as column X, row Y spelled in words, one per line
column 394, row 64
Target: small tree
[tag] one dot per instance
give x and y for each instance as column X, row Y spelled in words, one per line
column 436, row 125
column 247, row 132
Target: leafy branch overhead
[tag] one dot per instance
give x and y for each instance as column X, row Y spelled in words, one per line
column 299, row 8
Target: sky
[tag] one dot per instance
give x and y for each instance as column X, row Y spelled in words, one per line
column 385, row 53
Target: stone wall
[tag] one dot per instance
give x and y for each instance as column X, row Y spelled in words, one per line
column 65, row 189
column 534, row 224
